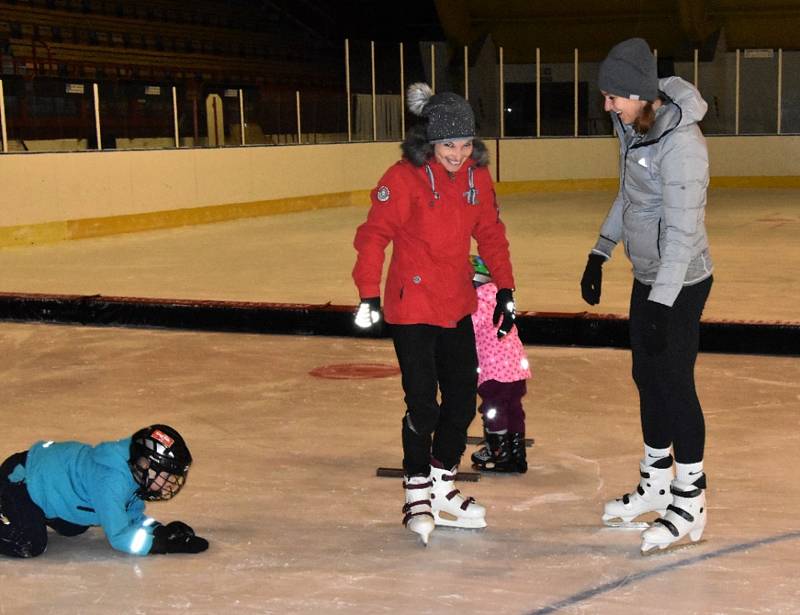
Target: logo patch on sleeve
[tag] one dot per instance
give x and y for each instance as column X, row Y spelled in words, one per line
column 383, row 194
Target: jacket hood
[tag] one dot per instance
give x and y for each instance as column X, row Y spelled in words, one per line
column 687, row 97
column 683, row 106
column 418, row 150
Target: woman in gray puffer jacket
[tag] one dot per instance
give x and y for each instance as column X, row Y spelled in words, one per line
column 658, row 215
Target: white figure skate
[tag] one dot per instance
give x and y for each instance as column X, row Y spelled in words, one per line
column 686, row 515
column 651, row 495
column 417, row 514
column 450, row 508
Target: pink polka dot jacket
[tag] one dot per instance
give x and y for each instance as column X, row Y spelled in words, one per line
column 504, row 359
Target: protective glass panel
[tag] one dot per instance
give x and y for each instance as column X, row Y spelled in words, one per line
column 557, row 98
column 593, row 119
column 49, row 114
column 361, row 91
column 758, row 87
column 717, row 85
column 790, row 95
column 136, row 115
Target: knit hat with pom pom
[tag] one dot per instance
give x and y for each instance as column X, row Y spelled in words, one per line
column 449, row 116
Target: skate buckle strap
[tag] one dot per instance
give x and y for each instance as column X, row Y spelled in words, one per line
column 669, row 525
column 683, row 513
column 452, row 494
column 409, row 505
column 692, row 493
column 465, row 504
column 416, row 486
column 408, row 514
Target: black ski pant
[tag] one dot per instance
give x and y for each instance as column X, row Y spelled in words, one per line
column 23, row 526
column 436, row 360
column 670, row 410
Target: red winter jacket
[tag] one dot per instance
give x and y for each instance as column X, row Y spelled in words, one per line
column 430, row 275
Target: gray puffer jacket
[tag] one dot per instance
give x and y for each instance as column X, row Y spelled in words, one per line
column 659, row 212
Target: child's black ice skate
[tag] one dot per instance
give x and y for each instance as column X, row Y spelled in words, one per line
column 518, row 455
column 495, row 456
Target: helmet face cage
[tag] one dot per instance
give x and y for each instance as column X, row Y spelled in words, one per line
column 159, row 462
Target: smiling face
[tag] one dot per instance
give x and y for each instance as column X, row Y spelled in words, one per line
column 161, row 484
column 627, row 110
column 452, row 154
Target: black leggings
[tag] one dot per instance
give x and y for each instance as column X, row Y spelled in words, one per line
column 23, row 532
column 670, row 410
column 436, row 359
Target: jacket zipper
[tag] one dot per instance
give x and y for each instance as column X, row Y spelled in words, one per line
column 658, row 239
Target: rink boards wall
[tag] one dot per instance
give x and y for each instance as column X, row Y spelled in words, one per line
column 57, row 196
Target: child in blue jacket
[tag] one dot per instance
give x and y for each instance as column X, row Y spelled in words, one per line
column 71, row 486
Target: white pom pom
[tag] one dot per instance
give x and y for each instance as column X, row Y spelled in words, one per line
column 417, row 97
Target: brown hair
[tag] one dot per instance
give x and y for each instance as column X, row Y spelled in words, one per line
column 645, row 120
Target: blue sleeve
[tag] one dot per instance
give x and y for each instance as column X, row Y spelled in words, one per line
column 121, row 515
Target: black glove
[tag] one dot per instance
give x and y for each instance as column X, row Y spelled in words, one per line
column 368, row 313
column 505, row 308
column 592, row 279
column 176, row 537
column 654, row 330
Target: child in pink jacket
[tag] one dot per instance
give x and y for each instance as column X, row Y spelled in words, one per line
column 502, row 371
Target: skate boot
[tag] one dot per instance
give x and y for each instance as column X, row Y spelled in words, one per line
column 450, row 508
column 651, row 495
column 496, row 455
column 685, row 515
column 519, row 457
column 417, row 515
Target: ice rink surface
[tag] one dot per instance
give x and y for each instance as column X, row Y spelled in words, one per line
column 284, row 483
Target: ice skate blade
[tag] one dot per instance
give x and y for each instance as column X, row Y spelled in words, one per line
column 690, row 539
column 462, row 522
column 495, row 469
column 423, row 536
column 424, row 532
column 626, row 525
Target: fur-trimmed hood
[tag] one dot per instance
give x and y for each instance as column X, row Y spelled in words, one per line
column 417, row 150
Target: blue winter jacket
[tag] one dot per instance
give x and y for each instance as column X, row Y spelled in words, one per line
column 89, row 485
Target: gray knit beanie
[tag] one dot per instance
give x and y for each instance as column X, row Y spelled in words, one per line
column 629, row 71
column 449, row 115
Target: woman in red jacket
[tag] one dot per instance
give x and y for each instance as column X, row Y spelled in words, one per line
column 430, row 205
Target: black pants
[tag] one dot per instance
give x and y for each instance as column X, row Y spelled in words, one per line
column 670, row 410
column 23, row 526
column 436, row 360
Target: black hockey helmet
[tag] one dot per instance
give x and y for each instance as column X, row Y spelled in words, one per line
column 159, row 457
